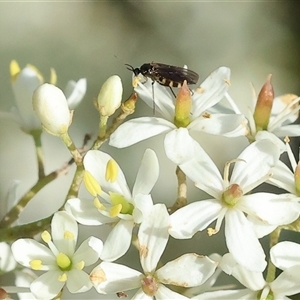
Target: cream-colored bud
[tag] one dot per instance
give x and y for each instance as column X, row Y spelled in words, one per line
column 110, row 96
column 51, row 106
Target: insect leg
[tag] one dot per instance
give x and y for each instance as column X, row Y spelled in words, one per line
column 153, row 97
column 172, row 92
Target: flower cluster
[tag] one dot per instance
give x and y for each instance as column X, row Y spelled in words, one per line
column 134, row 217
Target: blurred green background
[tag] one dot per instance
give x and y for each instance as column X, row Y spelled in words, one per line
column 95, row 39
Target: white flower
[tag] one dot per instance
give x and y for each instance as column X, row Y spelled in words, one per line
column 63, row 264
column 286, row 284
column 24, row 82
column 50, row 104
column 118, row 205
column 187, row 270
column 210, row 92
column 232, row 201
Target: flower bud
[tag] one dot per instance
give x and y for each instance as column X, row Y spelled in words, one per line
column 297, row 179
column 110, row 96
column 263, row 106
column 183, row 106
column 51, row 106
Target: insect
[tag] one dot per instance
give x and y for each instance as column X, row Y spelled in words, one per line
column 166, row 75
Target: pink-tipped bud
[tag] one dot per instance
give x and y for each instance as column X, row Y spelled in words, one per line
column 263, row 106
column 183, row 106
column 297, row 179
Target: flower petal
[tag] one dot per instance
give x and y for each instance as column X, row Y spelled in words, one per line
column 95, row 162
column 196, row 216
column 244, row 294
column 136, row 130
column 242, row 242
column 143, row 205
column 288, row 130
column 47, row 285
column 147, row 175
column 78, row 281
column 254, row 163
column 89, row 251
column 211, row 91
column 180, row 146
column 7, row 261
column 110, row 278
column 252, row 280
column 285, row 255
column 164, row 293
column 118, row 241
column 63, row 222
column 153, row 236
column 203, row 171
column 273, row 209
column 153, row 93
column 26, row 250
column 283, row 177
column 287, row 283
column 86, row 213
column 140, row 295
column 23, row 87
column 229, row 125
column 75, row 92
column 188, row 270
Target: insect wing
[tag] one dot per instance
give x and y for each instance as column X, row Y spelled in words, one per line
column 176, row 74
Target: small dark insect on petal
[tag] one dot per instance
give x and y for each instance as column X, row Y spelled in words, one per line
column 165, row 75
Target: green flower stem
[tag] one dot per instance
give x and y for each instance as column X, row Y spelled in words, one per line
column 274, row 237
column 102, row 126
column 75, row 185
column 36, row 134
column 128, row 108
column 13, row 214
column 72, row 148
column 181, row 191
column 22, row 231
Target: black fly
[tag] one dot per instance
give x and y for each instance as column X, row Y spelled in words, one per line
column 166, row 75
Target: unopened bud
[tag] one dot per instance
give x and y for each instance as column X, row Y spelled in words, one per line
column 297, row 179
column 51, row 106
column 110, row 96
column 263, row 106
column 183, row 106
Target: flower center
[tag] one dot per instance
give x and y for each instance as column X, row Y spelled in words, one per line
column 149, row 285
column 232, row 195
column 121, row 205
column 63, row 262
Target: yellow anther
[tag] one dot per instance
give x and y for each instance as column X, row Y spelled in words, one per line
column 53, row 76
column 115, row 210
column 98, row 204
column 63, row 277
column 46, row 236
column 80, row 265
column 91, row 184
column 112, row 169
column 68, row 235
column 36, row 264
column 14, row 70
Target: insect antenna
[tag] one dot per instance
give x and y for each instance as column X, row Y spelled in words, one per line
column 130, row 67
